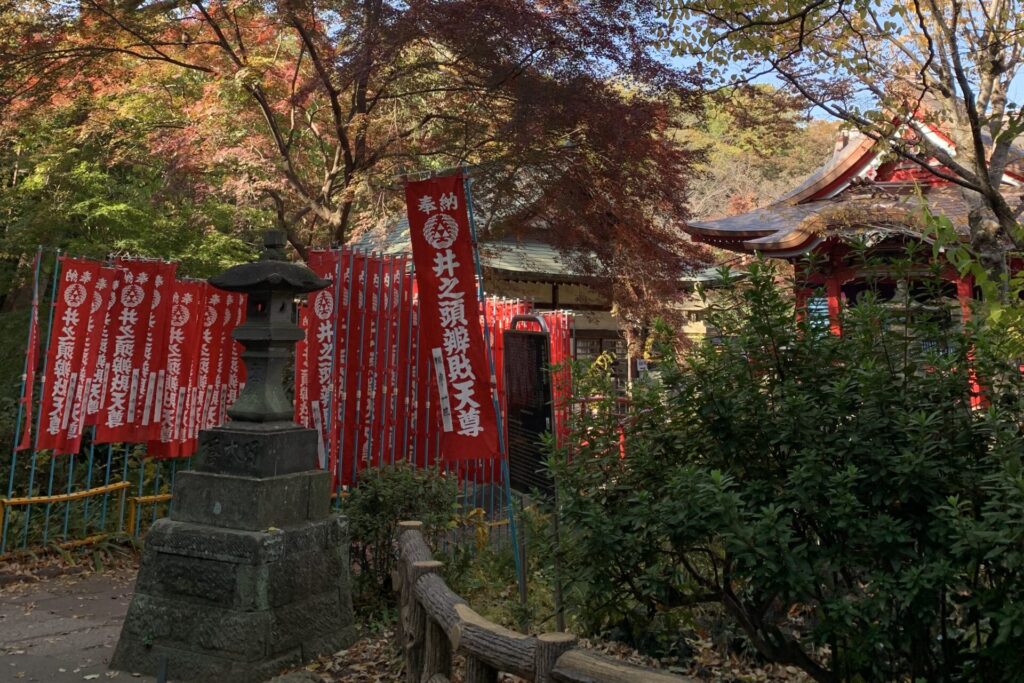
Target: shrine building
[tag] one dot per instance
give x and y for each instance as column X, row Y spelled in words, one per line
column 536, row 271
column 862, row 206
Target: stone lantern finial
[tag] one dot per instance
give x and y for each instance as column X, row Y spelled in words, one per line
column 269, row 333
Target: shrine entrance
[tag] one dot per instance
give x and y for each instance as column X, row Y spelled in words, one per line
column 529, row 401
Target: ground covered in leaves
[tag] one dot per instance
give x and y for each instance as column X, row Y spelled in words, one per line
column 376, row 659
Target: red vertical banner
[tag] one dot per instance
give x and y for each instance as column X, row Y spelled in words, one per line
column 109, row 285
column 31, row 360
column 207, row 377
column 152, row 372
column 382, row 348
column 443, row 252
column 417, row 443
column 561, row 375
column 321, row 343
column 226, row 356
column 302, row 416
column 355, row 312
column 89, row 361
column 236, row 368
column 382, row 412
column 403, row 369
column 371, row 308
column 61, row 387
column 136, row 317
column 182, row 341
column 345, row 366
column 199, row 366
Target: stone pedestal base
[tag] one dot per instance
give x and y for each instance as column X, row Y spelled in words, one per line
column 237, row 605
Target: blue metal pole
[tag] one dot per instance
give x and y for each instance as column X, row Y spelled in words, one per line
column 27, row 375
column 156, row 487
column 170, row 489
column 106, row 482
column 520, row 570
column 67, row 503
column 39, row 412
column 142, row 482
column 49, row 505
column 88, row 479
column 124, row 477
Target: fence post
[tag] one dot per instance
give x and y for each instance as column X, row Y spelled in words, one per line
column 437, row 657
column 416, row 625
column 551, row 646
column 478, row 671
column 398, row 580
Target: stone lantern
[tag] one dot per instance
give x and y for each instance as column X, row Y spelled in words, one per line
column 249, row 573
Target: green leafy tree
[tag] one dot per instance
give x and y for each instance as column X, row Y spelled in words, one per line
column 758, row 145
column 889, row 68
column 838, row 497
column 87, row 177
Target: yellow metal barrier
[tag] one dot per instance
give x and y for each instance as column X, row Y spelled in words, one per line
column 60, row 497
column 121, row 486
column 136, row 501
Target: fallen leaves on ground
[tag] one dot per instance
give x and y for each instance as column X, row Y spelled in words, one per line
column 375, row 659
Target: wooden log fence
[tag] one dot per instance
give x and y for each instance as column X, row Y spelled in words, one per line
column 434, row 624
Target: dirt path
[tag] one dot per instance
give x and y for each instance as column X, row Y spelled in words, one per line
column 64, row 628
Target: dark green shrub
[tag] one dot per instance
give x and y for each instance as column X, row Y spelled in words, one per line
column 838, row 497
column 384, row 497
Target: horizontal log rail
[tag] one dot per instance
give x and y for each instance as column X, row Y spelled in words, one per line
column 434, row 623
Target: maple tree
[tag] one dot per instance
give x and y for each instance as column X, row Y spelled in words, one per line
column 893, row 69
column 317, row 110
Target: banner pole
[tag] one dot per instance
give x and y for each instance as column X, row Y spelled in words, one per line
column 384, row 359
column 395, row 357
column 142, row 481
column 406, row 394
column 374, row 378
column 88, row 481
column 42, row 384
column 520, row 570
column 67, row 503
column 106, row 481
column 156, row 488
column 27, row 375
column 360, row 369
column 124, row 493
column 332, row 397
column 346, row 367
column 420, row 410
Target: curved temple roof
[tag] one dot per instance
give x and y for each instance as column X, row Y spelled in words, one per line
column 842, row 197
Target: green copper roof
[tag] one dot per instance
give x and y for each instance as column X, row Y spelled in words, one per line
column 523, row 259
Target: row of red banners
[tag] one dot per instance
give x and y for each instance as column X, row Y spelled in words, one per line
column 394, row 362
column 393, row 365
column 136, row 354
column 143, row 357
column 365, row 377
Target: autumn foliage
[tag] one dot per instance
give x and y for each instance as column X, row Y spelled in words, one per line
column 314, row 112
